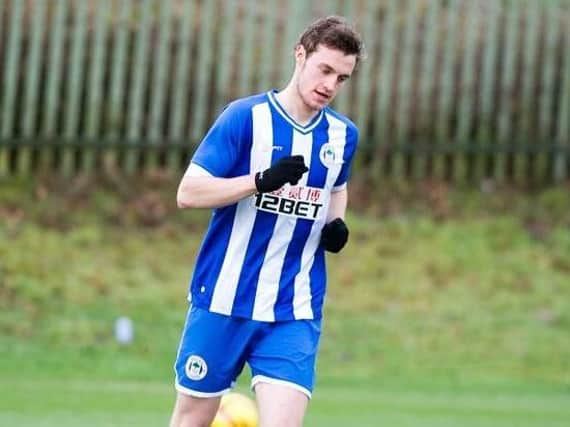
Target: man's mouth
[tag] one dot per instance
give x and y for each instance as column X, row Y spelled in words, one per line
column 322, row 95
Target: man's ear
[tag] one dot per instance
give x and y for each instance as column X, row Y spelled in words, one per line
column 300, row 54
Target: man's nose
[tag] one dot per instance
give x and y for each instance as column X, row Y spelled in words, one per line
column 330, row 83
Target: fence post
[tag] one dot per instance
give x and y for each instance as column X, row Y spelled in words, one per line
column 526, row 131
column 138, row 81
column 10, row 83
column 463, row 135
column 544, row 158
column 385, row 75
column 405, row 92
column 483, row 161
column 343, row 103
column 179, row 98
column 201, row 79
column 33, row 60
column 51, row 107
column 268, row 47
column 443, row 157
column 97, row 64
column 248, row 47
column 364, row 79
column 158, row 86
column 3, row 149
column 114, row 113
column 426, row 90
column 562, row 160
column 508, row 70
column 74, row 85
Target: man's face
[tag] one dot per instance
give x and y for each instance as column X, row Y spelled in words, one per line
column 322, row 74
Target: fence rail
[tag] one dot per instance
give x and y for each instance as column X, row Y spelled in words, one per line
column 455, row 89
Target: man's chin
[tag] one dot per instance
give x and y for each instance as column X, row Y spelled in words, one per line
column 318, row 105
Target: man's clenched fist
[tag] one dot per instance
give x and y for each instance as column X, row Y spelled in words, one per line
column 288, row 169
column 334, row 235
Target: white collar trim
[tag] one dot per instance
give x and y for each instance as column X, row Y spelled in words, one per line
column 303, row 129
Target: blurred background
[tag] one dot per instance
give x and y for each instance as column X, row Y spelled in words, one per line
column 449, row 307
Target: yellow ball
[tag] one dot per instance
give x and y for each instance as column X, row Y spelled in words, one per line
column 236, row 410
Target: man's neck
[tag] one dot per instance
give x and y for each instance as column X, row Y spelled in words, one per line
column 292, row 103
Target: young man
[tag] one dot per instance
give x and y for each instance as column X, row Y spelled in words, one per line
column 274, row 168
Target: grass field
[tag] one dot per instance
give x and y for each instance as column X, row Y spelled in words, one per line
column 448, row 308
column 113, row 403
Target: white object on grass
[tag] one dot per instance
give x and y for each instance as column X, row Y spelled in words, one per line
column 124, row 330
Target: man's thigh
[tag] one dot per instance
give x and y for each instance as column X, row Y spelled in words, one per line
column 192, row 411
column 280, row 405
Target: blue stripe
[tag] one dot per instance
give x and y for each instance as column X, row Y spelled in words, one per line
column 318, row 171
column 318, row 282
column 211, row 255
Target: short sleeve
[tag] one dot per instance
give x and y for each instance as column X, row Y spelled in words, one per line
column 219, row 151
column 348, row 156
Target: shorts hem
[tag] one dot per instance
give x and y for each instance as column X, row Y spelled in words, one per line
column 194, row 393
column 264, row 379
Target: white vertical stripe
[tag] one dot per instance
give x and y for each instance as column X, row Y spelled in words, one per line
column 337, row 136
column 302, row 300
column 226, row 286
column 268, row 284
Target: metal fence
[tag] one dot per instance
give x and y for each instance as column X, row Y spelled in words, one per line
column 455, row 89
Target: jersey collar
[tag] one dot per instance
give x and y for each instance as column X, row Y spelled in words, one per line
column 303, row 129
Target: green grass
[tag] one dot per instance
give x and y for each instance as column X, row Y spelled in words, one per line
column 115, row 403
column 448, row 307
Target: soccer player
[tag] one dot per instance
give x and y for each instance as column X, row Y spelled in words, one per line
column 274, row 168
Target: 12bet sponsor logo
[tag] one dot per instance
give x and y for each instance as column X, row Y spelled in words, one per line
column 298, row 202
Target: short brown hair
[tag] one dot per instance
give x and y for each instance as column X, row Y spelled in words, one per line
column 333, row 32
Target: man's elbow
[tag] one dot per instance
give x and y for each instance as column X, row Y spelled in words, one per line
column 182, row 204
column 184, row 199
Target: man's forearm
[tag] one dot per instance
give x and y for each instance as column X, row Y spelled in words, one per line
column 337, row 206
column 212, row 192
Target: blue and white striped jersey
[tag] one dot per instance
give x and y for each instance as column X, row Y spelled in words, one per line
column 261, row 258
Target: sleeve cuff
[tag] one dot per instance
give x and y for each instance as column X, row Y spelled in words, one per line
column 197, row 170
column 338, row 188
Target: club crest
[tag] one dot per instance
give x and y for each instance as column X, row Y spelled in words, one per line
column 196, row 368
column 331, row 154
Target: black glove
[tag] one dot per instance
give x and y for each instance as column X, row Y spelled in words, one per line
column 334, row 235
column 288, row 169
